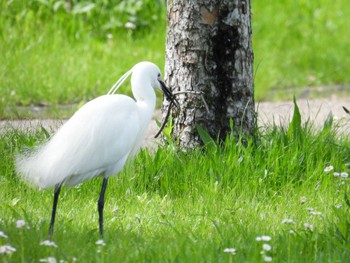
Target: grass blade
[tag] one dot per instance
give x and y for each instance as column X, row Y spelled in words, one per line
column 206, row 138
column 294, row 130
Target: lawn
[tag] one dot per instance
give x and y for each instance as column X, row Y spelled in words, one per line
column 283, row 196
column 49, row 56
column 299, row 44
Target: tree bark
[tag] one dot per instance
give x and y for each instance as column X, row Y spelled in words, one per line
column 209, row 51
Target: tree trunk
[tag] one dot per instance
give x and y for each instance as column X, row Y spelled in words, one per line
column 209, row 51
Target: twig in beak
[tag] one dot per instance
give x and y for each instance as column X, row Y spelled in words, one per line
column 165, row 120
column 170, row 97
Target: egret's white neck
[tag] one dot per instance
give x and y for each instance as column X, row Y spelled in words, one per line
column 143, row 91
column 144, row 95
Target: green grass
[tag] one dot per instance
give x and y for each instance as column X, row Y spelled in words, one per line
column 299, row 43
column 175, row 206
column 169, row 205
column 49, row 56
column 54, row 58
column 61, row 72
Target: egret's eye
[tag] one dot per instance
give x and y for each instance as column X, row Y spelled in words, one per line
column 159, row 76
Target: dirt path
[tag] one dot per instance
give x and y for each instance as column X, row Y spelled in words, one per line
column 315, row 110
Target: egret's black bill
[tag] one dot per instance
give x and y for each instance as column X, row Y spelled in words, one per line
column 168, row 93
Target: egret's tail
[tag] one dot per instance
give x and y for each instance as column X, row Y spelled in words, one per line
column 34, row 167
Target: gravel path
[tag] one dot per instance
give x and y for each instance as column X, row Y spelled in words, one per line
column 280, row 113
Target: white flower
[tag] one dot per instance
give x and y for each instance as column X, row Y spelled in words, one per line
column 309, row 226
column 49, row 260
column 315, row 213
column 328, row 169
column 292, row 232
column 266, row 247
column 230, row 250
column 287, row 221
column 7, row 249
column 266, row 238
column 20, row 223
column 302, row 199
column 130, row 25
column 336, row 174
column 344, row 174
column 338, row 206
column 48, row 243
column 3, row 235
column 263, row 238
column 267, row 259
column 100, row 242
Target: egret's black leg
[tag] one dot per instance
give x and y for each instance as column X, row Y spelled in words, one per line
column 55, row 200
column 101, row 203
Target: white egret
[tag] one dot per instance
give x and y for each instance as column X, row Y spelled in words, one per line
column 98, row 139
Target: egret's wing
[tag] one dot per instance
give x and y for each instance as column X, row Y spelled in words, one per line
column 99, row 136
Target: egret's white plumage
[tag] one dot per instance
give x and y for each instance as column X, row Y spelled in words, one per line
column 99, row 137
column 93, row 141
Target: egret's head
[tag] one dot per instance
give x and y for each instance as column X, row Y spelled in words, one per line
column 147, row 71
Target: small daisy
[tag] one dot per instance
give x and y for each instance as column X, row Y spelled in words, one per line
column 49, row 260
column 315, row 213
column 309, row 226
column 3, row 235
column 100, row 242
column 287, row 221
column 344, row 175
column 48, row 243
column 338, row 206
column 230, row 250
column 266, row 247
column 302, row 199
column 267, row 258
column 130, row 25
column 328, row 168
column 336, row 174
column 7, row 249
column 263, row 238
column 20, row 223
